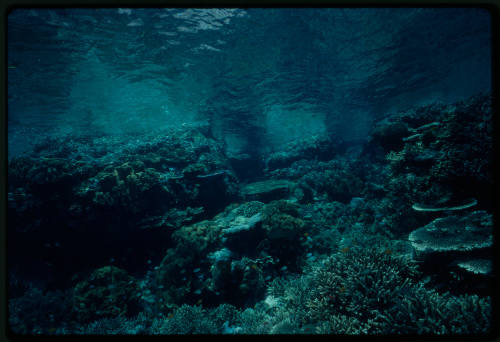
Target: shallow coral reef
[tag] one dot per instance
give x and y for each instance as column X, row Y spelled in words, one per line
column 170, row 233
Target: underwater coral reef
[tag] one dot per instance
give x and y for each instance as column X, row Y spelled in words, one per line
column 166, row 233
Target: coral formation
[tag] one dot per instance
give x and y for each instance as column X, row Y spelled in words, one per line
column 372, row 292
column 266, row 191
column 453, row 233
column 320, row 237
column 108, row 292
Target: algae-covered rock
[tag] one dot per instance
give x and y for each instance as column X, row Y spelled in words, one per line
column 241, row 226
column 242, row 223
column 246, row 166
column 131, row 186
column 244, row 233
column 341, row 185
column 192, row 170
column 267, row 190
column 108, row 292
column 247, row 209
column 173, row 218
column 390, row 134
column 175, row 277
column 281, row 221
column 317, row 147
column 41, row 175
column 216, row 190
column 199, row 238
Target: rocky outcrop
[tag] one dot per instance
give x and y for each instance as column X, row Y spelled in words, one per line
column 268, row 190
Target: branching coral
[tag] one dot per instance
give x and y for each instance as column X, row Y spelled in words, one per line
column 374, row 292
column 358, row 282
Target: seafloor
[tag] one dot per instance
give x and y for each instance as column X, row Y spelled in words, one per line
column 167, row 233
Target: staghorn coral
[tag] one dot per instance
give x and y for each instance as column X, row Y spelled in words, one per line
column 373, row 292
column 189, row 319
column 357, row 282
column 342, row 325
column 186, row 319
column 424, row 311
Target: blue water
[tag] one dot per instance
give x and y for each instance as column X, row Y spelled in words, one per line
column 249, row 171
column 247, row 71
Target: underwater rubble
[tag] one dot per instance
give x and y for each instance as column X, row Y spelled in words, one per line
column 167, row 233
